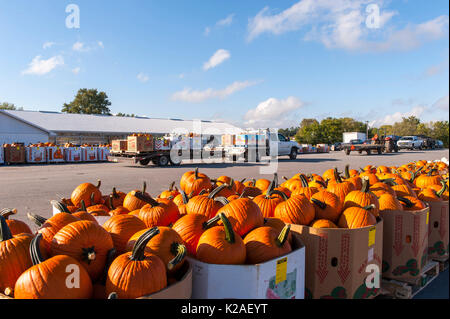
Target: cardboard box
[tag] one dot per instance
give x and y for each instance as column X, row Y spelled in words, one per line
column 2, row 156
column 405, row 243
column 438, row 231
column 15, row 154
column 140, row 144
column 89, row 154
column 182, row 289
column 161, row 145
column 119, row 146
column 340, row 261
column 103, row 153
column 280, row 278
column 36, row 154
column 228, row 139
column 55, row 154
column 73, row 154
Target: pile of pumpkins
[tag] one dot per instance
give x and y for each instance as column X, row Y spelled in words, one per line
column 142, row 247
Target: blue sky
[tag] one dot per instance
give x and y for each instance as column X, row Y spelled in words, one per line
column 253, row 63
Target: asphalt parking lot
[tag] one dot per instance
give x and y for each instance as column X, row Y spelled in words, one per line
column 29, row 188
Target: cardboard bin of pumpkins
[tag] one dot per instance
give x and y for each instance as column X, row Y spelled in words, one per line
column 72, row 257
column 14, row 153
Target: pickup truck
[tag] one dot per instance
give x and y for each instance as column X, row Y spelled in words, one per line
column 410, row 142
column 274, row 144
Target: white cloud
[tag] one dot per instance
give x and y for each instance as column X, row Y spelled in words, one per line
column 48, row 45
column 273, row 112
column 41, row 67
column 100, row 44
column 142, row 77
column 442, row 103
column 76, row 70
column 218, row 57
column 181, row 76
column 342, row 24
column 390, row 119
column 207, row 31
column 226, row 22
column 195, row 96
column 79, row 46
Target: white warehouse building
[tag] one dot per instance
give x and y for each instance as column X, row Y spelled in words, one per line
column 41, row 127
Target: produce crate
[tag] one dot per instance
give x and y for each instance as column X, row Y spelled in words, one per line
column 73, row 154
column 394, row 289
column 55, row 154
column 280, row 278
column 161, row 145
column 140, row 144
column 15, row 154
column 2, row 156
column 438, row 237
column 103, row 153
column 405, row 243
column 36, row 154
column 339, row 261
column 228, row 139
column 89, row 154
column 119, row 146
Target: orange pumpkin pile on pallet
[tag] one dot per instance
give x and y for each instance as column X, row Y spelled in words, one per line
column 218, row 221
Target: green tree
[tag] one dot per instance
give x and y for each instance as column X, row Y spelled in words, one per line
column 309, row 132
column 7, row 106
column 408, row 126
column 289, row 132
column 88, row 102
column 125, row 115
column 440, row 131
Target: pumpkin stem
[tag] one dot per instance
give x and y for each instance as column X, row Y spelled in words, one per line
column 179, row 251
column 9, row 292
column 283, row 236
column 38, row 220
column 347, row 172
column 202, row 192
column 184, row 197
column 114, row 193
column 109, row 259
column 146, row 198
column 271, row 187
column 243, row 192
column 113, row 295
column 406, row 201
column 6, row 212
column 321, row 183
column 222, row 200
column 138, row 253
column 285, row 178
column 275, row 179
column 430, row 173
column 216, row 191
column 277, row 192
column 304, row 181
column 35, row 250
column 171, row 186
column 389, row 181
column 337, row 177
column 83, row 206
column 111, row 202
column 60, row 206
column 242, row 181
column 92, row 199
column 89, row 254
column 442, row 190
column 196, row 173
column 319, row 203
column 365, row 185
column 370, row 207
column 144, row 187
column 5, row 232
column 99, row 183
column 210, row 222
column 229, row 232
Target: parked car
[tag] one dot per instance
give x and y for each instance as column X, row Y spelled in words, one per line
column 336, row 147
column 356, row 141
column 439, row 144
column 410, row 142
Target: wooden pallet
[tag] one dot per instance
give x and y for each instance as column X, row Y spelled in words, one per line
column 407, row 289
column 443, row 263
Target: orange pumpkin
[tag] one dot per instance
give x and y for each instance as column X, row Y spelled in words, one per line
column 296, row 210
column 362, row 198
column 15, row 226
column 357, row 217
column 327, row 205
column 122, row 228
column 322, row 223
column 84, row 192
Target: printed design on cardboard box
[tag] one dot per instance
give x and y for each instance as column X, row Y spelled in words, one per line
column 398, row 234
column 444, row 222
column 322, row 271
column 416, row 236
column 385, row 266
column 411, row 266
column 344, row 262
column 363, row 292
column 336, row 293
column 438, row 248
column 283, row 290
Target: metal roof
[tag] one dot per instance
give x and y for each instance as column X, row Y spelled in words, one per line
column 82, row 123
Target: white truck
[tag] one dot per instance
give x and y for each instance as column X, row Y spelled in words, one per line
column 410, row 142
column 348, row 136
column 253, row 145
